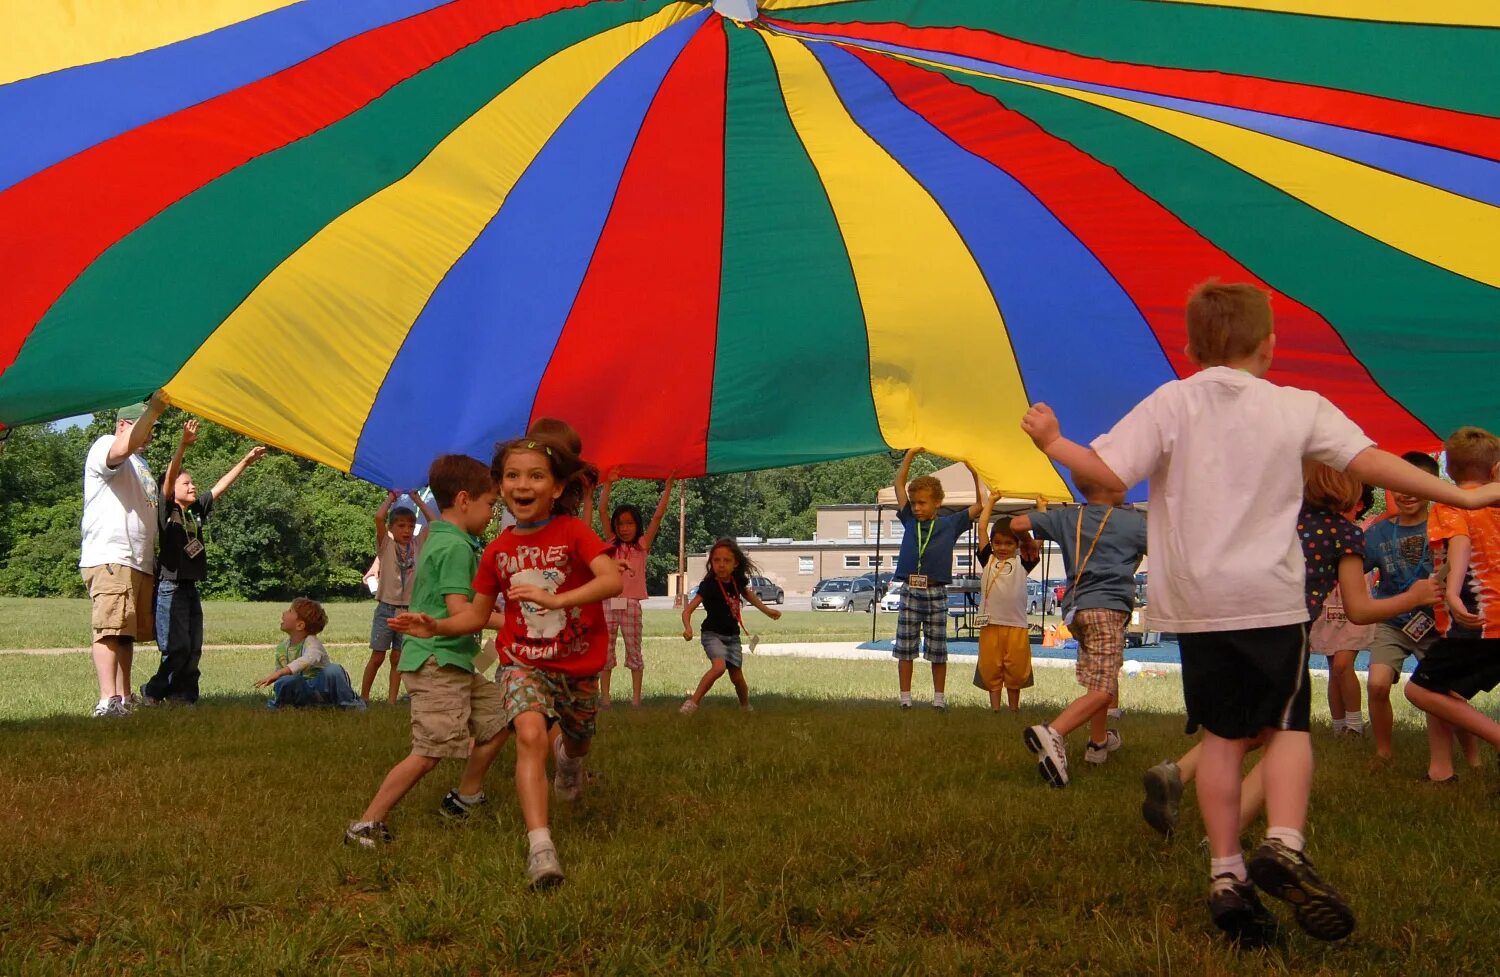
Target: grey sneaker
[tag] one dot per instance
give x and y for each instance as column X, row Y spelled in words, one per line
column 1097, row 753
column 454, row 808
column 1287, row 875
column 105, row 710
column 1051, row 753
column 688, row 707
column 1238, row 911
column 367, row 834
column 1163, row 802
column 567, row 781
column 543, row 870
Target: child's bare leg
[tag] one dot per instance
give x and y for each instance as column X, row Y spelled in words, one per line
column 604, row 686
column 1342, row 674
column 1288, row 767
column 995, row 700
column 1439, row 749
column 1187, row 764
column 394, row 692
column 122, row 667
column 1470, row 746
column 1014, row 698
column 903, row 675
column 1382, row 718
column 107, row 665
column 1252, row 796
column 741, row 689
column 478, row 764
column 1335, row 698
column 531, row 768
column 1085, row 708
column 1099, row 724
column 1219, row 792
column 635, row 686
column 939, row 677
column 402, row 778
column 1455, row 711
column 709, row 678
column 372, row 669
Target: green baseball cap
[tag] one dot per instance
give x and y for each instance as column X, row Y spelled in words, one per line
column 130, row 412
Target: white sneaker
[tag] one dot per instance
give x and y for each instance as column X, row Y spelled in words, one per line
column 688, row 707
column 1098, row 753
column 104, row 710
column 543, row 868
column 1051, row 753
column 567, row 782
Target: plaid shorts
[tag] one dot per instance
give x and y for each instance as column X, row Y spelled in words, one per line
column 924, row 610
column 625, row 621
column 1101, row 647
column 570, row 701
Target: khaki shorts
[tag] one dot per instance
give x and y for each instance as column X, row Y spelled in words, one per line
column 123, row 602
column 1391, row 645
column 449, row 705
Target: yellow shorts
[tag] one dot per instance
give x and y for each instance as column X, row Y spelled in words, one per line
column 1005, row 658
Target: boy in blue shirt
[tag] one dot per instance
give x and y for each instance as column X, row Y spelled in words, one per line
column 926, row 565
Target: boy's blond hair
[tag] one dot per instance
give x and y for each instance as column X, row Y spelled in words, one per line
column 1226, row 323
column 1473, row 454
column 929, row 484
column 1334, row 490
column 310, row 613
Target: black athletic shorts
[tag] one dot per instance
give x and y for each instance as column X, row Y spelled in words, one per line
column 1238, row 683
column 1467, row 666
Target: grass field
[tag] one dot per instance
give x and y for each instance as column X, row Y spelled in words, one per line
column 826, row 832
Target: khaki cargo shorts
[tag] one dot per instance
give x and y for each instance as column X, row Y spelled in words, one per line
column 123, row 601
column 448, row 705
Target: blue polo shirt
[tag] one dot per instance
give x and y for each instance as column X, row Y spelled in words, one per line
column 937, row 555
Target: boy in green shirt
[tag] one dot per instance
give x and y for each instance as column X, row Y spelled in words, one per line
column 450, row 701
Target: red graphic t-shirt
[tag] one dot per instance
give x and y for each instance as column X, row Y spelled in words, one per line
column 556, row 558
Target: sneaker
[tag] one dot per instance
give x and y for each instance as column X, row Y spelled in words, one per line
column 367, row 834
column 1287, row 875
column 567, row 781
column 747, row 707
column 940, row 707
column 688, row 707
column 454, row 808
column 1051, row 753
column 904, row 705
column 1114, row 713
column 1239, row 913
column 1163, row 784
column 104, row 710
column 543, row 870
column 1097, row 753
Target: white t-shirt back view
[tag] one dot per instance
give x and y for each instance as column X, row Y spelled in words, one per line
column 119, row 511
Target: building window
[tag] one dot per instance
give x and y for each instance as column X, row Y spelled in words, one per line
column 872, row 561
column 856, row 529
column 851, row 561
column 804, row 564
column 897, row 529
column 964, row 562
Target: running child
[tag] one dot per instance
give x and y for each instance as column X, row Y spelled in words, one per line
column 623, row 614
column 1229, row 578
column 555, row 575
column 1004, row 633
column 397, row 547
column 725, row 584
column 1102, row 546
column 925, row 563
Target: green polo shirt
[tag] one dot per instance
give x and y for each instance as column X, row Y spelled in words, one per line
column 445, row 566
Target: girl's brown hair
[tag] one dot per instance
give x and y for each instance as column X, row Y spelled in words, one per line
column 1333, row 490
column 570, row 471
column 743, row 568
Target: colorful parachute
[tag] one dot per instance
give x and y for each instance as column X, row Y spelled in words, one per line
column 716, row 237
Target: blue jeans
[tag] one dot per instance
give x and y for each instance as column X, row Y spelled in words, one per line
column 179, row 635
column 330, row 687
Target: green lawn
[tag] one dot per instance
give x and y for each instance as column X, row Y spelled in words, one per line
column 827, row 832
column 63, row 623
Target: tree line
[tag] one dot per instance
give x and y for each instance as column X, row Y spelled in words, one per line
column 292, row 527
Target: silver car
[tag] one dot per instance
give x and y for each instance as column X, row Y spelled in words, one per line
column 845, row 594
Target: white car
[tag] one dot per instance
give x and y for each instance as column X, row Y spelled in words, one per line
column 892, row 599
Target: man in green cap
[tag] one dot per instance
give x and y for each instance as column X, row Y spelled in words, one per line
column 119, row 548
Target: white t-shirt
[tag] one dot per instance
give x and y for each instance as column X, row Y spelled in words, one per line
column 119, row 511
column 1002, row 592
column 1223, row 451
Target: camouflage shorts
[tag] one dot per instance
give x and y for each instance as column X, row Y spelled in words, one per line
column 570, row 701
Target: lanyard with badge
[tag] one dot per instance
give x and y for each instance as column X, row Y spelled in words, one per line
column 1077, row 546
column 1000, row 568
column 1421, row 622
column 918, row 581
column 194, row 545
column 732, row 602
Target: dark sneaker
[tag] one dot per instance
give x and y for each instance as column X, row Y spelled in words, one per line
column 367, row 834
column 567, row 780
column 1163, row 784
column 1051, row 753
column 543, row 869
column 1287, row 875
column 1238, row 912
column 454, row 808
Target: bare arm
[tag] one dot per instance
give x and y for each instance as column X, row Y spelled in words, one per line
column 1040, row 423
column 385, row 507
column 128, row 442
column 901, row 473
column 230, row 477
column 769, row 612
column 979, row 494
column 174, row 467
column 607, row 583
column 604, row 487
column 661, row 510
column 1376, row 467
column 1460, row 552
column 1361, row 608
column 427, row 510
column 687, row 617
column 472, row 617
column 988, row 509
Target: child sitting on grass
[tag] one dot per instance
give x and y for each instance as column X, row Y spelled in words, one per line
column 1102, row 545
column 305, row 675
column 722, row 587
column 1004, row 633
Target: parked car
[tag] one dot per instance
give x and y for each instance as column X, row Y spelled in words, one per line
column 1034, row 593
column 882, row 582
column 767, row 590
column 845, row 594
column 892, row 599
